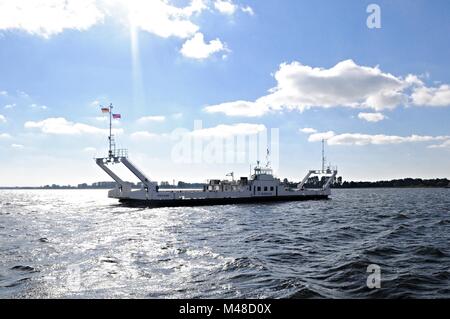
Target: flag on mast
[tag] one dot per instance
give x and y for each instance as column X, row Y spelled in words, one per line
column 105, row 109
column 116, row 116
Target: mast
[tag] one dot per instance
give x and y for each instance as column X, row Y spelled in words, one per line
column 110, row 130
column 323, row 155
column 110, row 137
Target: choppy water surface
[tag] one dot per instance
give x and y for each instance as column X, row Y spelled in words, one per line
column 78, row 243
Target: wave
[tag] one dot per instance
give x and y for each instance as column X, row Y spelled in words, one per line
column 290, row 250
column 384, row 251
column 24, row 268
column 17, row 282
column 305, row 293
column 429, row 251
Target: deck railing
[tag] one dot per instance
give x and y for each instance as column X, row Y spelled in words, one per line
column 120, row 153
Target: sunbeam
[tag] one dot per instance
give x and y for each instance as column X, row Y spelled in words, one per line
column 136, row 68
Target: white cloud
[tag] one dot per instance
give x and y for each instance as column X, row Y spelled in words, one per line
column 197, row 48
column 9, row 106
column 248, row 9
column 3, row 93
column 95, row 103
column 308, row 130
column 379, row 139
column 89, row 149
column 48, row 17
column 144, row 135
column 163, row 19
column 4, row 136
column 224, row 131
column 177, row 115
column 302, row 87
column 414, row 80
column 316, row 137
column 38, row 107
column 61, row 126
column 428, row 96
column 228, row 7
column 17, row 146
column 225, row 6
column 371, row 117
column 376, row 139
column 154, row 118
column 2, row 119
column 445, row 144
column 239, row 108
column 386, row 100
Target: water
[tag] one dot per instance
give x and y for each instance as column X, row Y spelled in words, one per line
column 78, row 243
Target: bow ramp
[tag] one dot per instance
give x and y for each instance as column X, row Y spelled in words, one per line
column 123, row 188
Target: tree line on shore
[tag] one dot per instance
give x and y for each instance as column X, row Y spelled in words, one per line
column 315, row 182
column 405, row 182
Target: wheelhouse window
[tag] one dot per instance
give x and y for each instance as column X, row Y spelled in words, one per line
column 259, row 188
column 271, row 188
column 265, row 188
column 263, row 171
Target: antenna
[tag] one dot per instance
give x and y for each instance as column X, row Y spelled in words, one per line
column 323, row 155
column 113, row 154
column 267, row 158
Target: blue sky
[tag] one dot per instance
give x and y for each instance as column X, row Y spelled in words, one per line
column 380, row 96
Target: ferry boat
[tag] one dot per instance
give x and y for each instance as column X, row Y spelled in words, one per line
column 261, row 187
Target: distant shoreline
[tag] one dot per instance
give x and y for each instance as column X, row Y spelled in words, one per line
column 312, row 183
column 175, row 189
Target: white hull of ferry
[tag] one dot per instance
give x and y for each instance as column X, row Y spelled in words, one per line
column 201, row 198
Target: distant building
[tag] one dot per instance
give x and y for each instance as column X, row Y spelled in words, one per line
column 104, row 185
